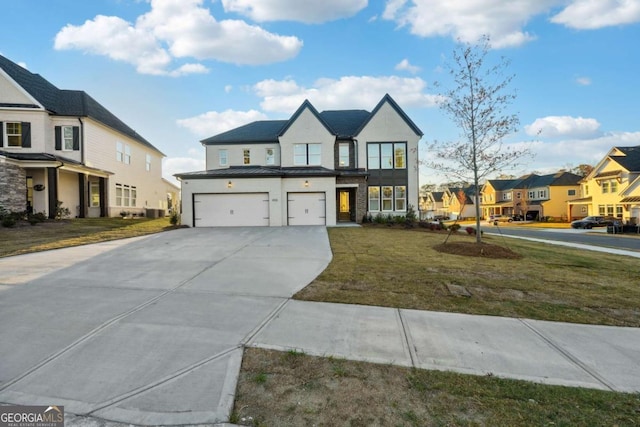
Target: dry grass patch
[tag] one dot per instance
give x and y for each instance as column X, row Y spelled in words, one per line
column 400, row 268
column 25, row 238
column 292, row 389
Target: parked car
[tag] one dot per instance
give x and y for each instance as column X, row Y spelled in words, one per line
column 499, row 218
column 440, row 218
column 593, row 221
column 517, row 217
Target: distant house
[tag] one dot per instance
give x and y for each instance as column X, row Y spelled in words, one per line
column 533, row 196
column 62, row 146
column 460, row 203
column 432, row 205
column 613, row 186
column 316, row 168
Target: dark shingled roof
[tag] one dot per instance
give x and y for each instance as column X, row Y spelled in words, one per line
column 631, row 160
column 265, row 131
column 344, row 124
column 67, row 102
column 437, row 196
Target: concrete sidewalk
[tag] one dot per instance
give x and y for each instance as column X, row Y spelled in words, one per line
column 600, row 357
column 152, row 330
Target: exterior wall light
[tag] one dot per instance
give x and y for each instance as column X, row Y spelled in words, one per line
column 306, row 182
column 229, row 184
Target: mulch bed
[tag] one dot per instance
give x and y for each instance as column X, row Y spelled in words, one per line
column 474, row 249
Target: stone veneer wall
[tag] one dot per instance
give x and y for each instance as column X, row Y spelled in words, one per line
column 361, row 194
column 13, row 191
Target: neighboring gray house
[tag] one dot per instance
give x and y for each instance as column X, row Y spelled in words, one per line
column 63, row 146
column 316, row 168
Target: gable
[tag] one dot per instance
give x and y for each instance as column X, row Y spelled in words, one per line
column 389, row 122
column 12, row 95
column 306, row 126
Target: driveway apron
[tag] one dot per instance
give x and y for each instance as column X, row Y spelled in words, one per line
column 151, row 331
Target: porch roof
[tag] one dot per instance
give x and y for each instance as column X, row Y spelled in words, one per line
column 49, row 160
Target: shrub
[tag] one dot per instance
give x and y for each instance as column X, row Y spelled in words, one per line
column 454, row 227
column 174, row 219
column 470, row 230
column 8, row 221
column 61, row 212
column 411, row 213
column 380, row 219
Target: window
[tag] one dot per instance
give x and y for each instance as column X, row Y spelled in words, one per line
column 610, row 210
column 67, row 138
column 222, row 158
column 374, row 198
column 307, row 154
column 127, row 155
column 270, row 158
column 619, row 211
column 542, row 194
column 586, row 190
column 343, row 155
column 614, row 186
column 126, row 195
column 119, row 152
column 387, row 155
column 506, row 196
column 571, row 192
column 387, row 198
column 401, row 198
column 373, row 154
column 29, row 194
column 601, row 210
column 246, row 156
column 532, row 194
column 14, row 134
column 94, row 194
column 605, row 187
column 400, row 156
column 148, row 162
column 518, row 195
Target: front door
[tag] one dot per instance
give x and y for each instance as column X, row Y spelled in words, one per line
column 344, row 205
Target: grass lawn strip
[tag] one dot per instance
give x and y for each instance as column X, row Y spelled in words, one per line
column 26, row 238
column 293, row 389
column 399, row 268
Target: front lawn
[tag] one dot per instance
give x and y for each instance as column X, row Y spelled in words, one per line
column 25, row 238
column 399, row 268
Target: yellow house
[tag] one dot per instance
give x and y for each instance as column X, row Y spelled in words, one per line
column 613, row 187
column 532, row 196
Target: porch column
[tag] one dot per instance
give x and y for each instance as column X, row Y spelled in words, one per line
column 103, row 197
column 82, row 189
column 52, row 185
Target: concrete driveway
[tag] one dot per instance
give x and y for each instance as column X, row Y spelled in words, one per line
column 151, row 330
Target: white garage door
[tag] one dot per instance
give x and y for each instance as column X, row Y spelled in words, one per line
column 231, row 210
column 306, row 208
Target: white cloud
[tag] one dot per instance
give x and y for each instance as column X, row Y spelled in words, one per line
column 502, row 20
column 213, row 122
column 175, row 29
column 594, row 14
column 310, row 12
column 584, row 81
column 228, row 88
column 563, row 126
column 404, row 65
column 173, row 165
column 346, row 93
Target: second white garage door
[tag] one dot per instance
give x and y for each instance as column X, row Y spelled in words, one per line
column 231, row 210
column 306, row 208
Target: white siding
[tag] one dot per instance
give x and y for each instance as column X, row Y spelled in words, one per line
column 11, row 94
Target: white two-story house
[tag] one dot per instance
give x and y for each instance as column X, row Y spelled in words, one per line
column 316, row 168
column 62, row 146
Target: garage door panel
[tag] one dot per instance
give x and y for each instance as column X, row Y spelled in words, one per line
column 306, row 208
column 231, row 210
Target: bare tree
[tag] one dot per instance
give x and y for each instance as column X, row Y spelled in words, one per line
column 477, row 103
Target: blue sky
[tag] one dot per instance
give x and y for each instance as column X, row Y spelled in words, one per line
column 178, row 71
